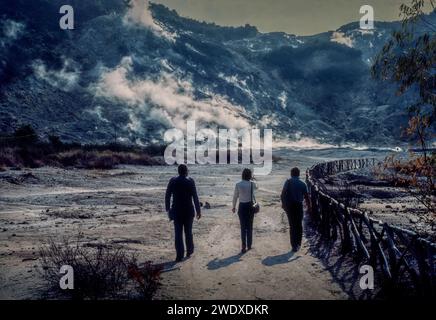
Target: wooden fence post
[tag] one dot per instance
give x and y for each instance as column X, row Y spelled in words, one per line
column 334, row 217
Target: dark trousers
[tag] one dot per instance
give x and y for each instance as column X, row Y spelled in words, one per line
column 295, row 217
column 183, row 224
column 246, row 217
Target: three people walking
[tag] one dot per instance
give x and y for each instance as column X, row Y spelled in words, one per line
column 185, row 205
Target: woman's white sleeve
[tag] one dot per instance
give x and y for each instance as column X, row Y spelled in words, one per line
column 235, row 196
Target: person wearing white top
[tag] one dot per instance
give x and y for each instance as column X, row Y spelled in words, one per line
column 244, row 191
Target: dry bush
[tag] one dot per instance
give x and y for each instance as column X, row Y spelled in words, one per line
column 100, row 272
column 416, row 174
column 24, row 148
column 147, row 278
column 9, row 157
column 78, row 158
column 105, row 159
column 86, row 159
column 29, row 156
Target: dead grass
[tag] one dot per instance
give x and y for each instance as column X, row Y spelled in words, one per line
column 78, row 158
column 105, row 159
column 100, row 272
column 24, row 148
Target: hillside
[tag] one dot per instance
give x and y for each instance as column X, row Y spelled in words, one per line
column 128, row 74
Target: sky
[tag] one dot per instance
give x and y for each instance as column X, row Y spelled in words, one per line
column 300, row 17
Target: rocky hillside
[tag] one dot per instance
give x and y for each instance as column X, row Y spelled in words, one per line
column 127, row 73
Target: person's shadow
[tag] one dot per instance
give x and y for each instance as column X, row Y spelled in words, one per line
column 168, row 266
column 222, row 263
column 280, row 259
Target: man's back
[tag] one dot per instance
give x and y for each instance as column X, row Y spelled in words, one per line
column 294, row 190
column 293, row 193
column 184, row 192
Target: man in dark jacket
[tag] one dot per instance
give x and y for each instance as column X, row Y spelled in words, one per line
column 183, row 191
column 293, row 193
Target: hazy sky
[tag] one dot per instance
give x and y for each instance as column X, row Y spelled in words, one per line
column 301, row 17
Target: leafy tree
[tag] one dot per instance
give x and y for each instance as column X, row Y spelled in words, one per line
column 409, row 59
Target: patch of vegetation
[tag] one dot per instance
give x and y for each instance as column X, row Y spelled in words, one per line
column 24, row 148
column 99, row 272
column 408, row 59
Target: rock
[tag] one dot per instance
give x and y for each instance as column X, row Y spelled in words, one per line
column 413, row 220
column 27, row 176
column 207, row 205
column 28, row 259
column 11, row 180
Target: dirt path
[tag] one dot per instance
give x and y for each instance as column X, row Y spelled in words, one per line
column 269, row 271
column 124, row 208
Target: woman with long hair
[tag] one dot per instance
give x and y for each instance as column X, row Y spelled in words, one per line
column 244, row 191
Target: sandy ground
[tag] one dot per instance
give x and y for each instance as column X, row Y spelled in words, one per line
column 390, row 204
column 124, row 207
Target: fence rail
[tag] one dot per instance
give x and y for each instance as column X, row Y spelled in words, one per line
column 401, row 257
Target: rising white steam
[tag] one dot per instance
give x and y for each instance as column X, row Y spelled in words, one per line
column 64, row 79
column 139, row 14
column 341, row 38
column 166, row 99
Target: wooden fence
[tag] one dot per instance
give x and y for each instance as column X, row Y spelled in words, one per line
column 400, row 257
